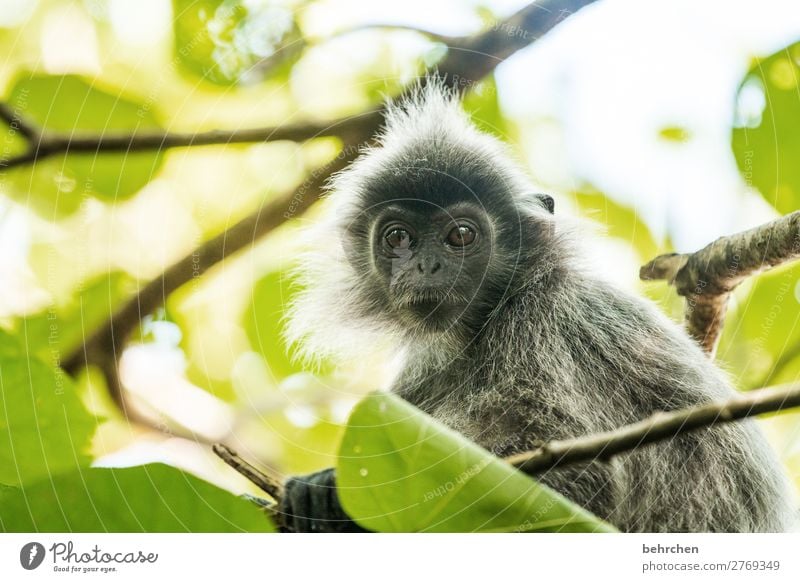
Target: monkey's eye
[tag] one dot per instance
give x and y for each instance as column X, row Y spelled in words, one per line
column 398, row 238
column 461, row 236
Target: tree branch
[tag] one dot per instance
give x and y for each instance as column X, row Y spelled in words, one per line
column 707, row 277
column 476, row 56
column 106, row 340
column 467, row 57
column 660, row 426
column 16, row 122
column 49, row 144
column 601, row 446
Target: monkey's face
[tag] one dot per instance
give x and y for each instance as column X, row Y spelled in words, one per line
column 434, row 237
column 432, row 260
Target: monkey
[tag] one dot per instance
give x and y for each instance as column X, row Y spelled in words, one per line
column 435, row 243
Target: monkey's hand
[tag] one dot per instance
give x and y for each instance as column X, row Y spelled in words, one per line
column 310, row 504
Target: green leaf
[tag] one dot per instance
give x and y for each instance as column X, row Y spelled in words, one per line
column 620, row 221
column 760, row 339
column 150, row 498
column 400, row 471
column 62, row 329
column 482, row 104
column 9, row 346
column 675, row 133
column 68, row 104
column 265, row 324
column 44, row 427
column 765, row 139
column 231, row 41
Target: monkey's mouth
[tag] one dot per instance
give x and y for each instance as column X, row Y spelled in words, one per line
column 434, row 306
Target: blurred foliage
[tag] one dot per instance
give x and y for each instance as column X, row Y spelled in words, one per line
column 401, row 471
column 47, row 486
column 92, row 228
column 765, row 140
column 760, row 340
column 675, row 134
column 481, row 102
column 70, row 105
column 618, row 221
column 265, row 325
column 44, row 428
column 232, row 42
column 61, row 329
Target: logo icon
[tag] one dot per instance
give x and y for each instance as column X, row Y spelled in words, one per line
column 31, row 555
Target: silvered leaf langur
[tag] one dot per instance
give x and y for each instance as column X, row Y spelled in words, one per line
column 436, row 243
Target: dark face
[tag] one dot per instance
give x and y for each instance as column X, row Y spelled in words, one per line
column 432, row 260
column 437, row 239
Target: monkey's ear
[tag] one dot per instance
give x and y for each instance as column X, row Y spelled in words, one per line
column 547, row 201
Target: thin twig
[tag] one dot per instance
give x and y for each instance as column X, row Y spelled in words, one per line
column 660, row 426
column 271, row 486
column 50, row 144
column 707, row 277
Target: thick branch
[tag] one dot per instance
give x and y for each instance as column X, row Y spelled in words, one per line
column 474, row 57
column 707, row 277
column 660, row 426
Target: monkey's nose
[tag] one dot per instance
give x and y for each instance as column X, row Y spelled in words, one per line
column 429, row 267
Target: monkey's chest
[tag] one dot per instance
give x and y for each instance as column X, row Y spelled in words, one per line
column 502, row 418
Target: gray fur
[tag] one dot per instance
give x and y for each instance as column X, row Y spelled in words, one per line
column 557, row 354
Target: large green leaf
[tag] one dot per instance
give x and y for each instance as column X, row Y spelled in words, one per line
column 68, row 104
column 265, row 323
column 231, row 41
column 400, row 471
column 44, row 428
column 765, row 139
column 150, row 498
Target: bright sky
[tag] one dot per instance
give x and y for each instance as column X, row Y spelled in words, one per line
column 623, row 70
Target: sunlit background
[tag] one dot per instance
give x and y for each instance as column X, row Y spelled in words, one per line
column 664, row 124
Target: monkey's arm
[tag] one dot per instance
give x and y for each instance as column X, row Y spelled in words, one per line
column 310, row 504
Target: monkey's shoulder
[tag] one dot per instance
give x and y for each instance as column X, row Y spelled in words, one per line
column 594, row 340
